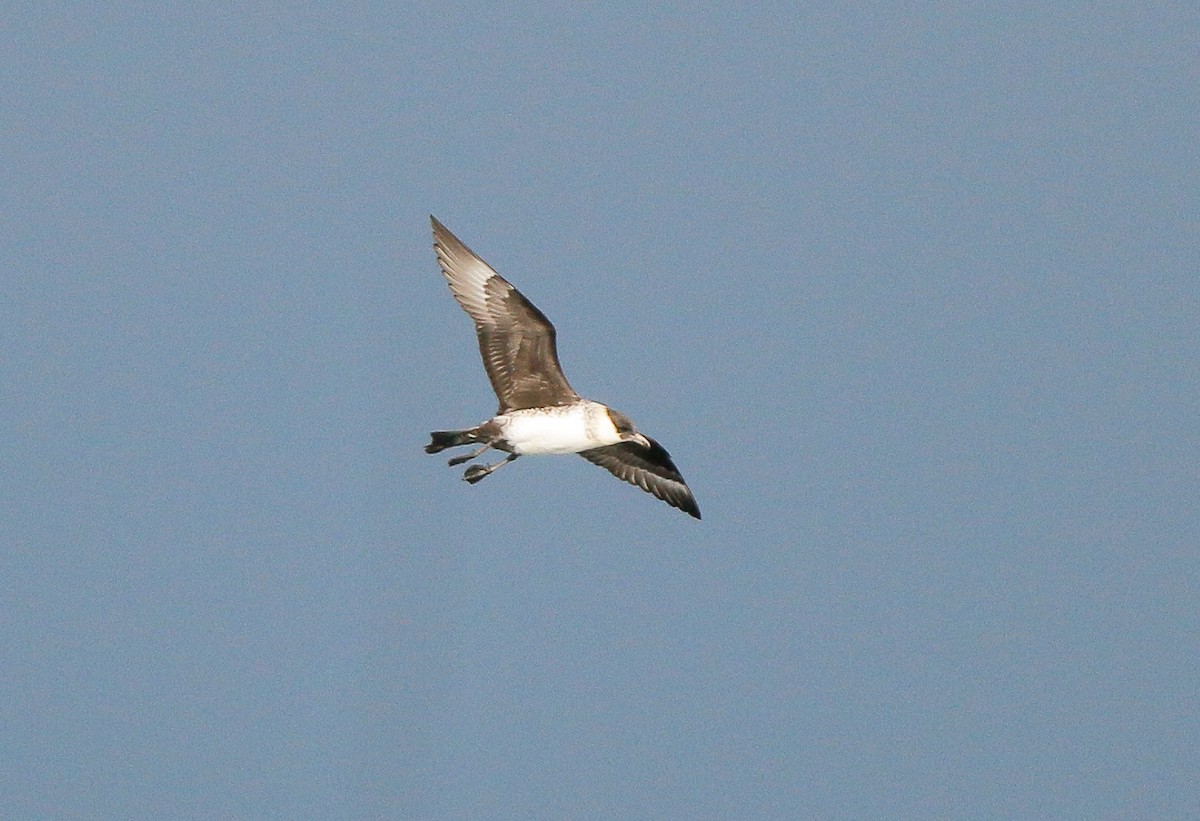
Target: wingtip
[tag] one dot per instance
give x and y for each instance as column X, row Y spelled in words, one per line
column 442, row 234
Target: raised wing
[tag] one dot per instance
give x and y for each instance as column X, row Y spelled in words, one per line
column 516, row 340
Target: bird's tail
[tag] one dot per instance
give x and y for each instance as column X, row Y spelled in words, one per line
column 442, row 439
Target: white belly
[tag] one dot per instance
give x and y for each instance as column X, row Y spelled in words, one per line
column 557, row 430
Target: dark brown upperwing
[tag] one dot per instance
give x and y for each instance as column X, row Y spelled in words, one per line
column 516, row 340
column 520, row 352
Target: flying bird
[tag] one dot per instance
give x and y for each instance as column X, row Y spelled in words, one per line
column 539, row 411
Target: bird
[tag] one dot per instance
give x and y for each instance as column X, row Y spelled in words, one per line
column 539, row 412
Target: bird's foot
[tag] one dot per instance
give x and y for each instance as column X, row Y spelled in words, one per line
column 458, row 460
column 476, row 472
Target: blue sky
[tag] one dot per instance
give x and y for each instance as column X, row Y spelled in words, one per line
column 909, row 292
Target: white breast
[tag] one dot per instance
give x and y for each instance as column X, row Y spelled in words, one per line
column 558, row 430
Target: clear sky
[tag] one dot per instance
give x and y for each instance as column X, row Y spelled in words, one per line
column 909, row 291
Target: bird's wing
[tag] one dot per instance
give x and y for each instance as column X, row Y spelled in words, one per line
column 651, row 469
column 516, row 340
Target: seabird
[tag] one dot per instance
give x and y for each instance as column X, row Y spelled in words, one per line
column 539, row 412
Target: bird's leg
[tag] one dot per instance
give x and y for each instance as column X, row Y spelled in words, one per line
column 458, row 460
column 476, row 472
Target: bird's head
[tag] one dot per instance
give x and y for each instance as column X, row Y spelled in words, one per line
column 625, row 429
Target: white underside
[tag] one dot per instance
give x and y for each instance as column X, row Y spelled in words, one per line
column 558, row 430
